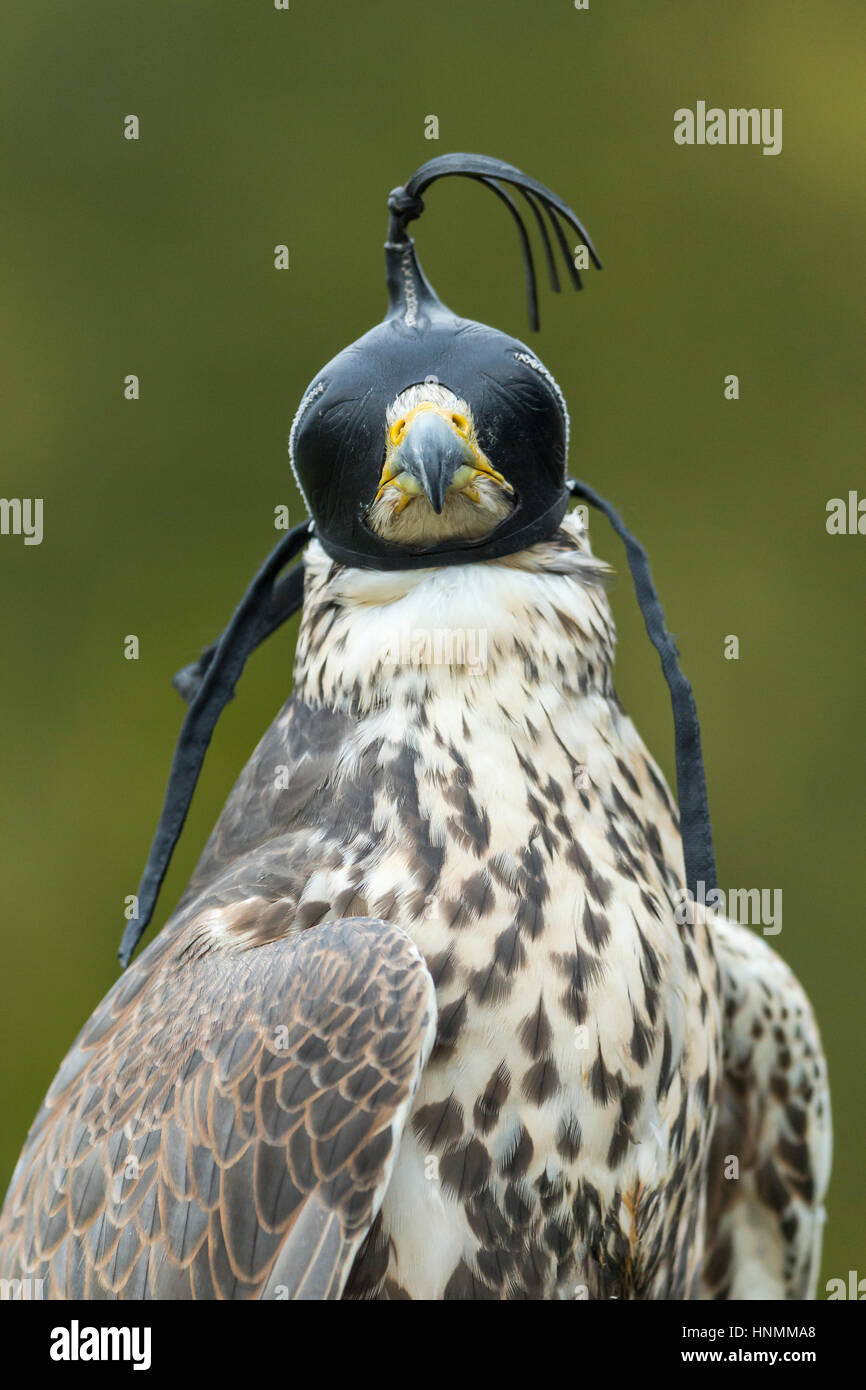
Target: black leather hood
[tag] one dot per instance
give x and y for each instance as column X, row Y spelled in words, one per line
column 338, row 438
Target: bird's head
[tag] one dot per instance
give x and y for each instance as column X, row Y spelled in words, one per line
column 437, row 484
column 433, row 439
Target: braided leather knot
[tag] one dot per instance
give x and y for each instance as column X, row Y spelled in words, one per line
column 405, row 206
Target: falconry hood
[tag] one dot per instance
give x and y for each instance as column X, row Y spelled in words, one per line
column 518, row 410
column 428, row 401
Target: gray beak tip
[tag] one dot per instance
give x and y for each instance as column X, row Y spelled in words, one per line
column 432, row 452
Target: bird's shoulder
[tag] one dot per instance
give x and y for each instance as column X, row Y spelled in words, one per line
column 282, row 789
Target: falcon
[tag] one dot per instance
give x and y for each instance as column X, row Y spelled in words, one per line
column 427, row 1022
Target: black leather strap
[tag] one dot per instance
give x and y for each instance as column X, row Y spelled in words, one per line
column 286, row 599
column 243, row 634
column 406, row 205
column 695, row 826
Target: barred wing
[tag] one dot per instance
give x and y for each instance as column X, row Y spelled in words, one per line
column 765, row 1212
column 226, row 1124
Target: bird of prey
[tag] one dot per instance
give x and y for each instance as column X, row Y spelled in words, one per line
column 427, row 1022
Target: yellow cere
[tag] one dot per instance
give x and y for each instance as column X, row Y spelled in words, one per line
column 463, row 478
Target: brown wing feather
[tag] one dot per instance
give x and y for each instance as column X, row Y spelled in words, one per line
column 226, row 1123
column 283, row 786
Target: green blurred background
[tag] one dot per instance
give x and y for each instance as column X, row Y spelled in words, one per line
column 261, row 127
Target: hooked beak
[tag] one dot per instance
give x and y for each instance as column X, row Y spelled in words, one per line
column 434, row 454
column 431, row 452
